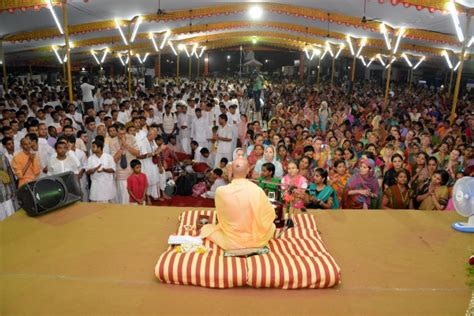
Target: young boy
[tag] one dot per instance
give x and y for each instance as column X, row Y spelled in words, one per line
column 268, row 171
column 137, row 183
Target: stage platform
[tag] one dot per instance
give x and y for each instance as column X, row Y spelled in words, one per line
column 99, row 259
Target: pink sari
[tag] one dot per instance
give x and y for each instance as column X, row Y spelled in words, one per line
column 300, row 182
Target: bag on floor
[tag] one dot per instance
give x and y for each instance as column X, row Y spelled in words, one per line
column 185, row 183
column 199, row 189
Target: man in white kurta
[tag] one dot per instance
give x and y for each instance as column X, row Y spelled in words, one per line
column 184, row 126
column 148, row 149
column 201, row 130
column 82, row 158
column 62, row 162
column 101, row 169
column 224, row 140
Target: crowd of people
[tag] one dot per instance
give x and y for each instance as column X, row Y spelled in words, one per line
column 334, row 147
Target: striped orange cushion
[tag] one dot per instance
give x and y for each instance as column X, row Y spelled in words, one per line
column 297, row 259
column 211, row 270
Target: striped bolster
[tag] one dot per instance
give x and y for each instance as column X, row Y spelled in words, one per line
column 298, row 259
column 211, row 270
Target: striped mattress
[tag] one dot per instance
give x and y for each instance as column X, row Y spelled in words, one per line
column 298, row 258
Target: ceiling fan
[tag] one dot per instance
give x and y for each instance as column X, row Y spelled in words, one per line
column 365, row 19
column 160, row 11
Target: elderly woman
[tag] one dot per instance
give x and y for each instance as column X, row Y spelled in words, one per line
column 269, row 155
column 362, row 187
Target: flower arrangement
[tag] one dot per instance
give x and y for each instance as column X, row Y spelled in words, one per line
column 190, row 247
column 289, row 198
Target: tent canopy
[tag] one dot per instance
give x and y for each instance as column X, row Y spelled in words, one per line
column 28, row 32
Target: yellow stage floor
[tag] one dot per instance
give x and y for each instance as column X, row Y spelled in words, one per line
column 100, row 258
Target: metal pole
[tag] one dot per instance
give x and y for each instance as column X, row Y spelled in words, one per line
column 129, row 63
column 319, row 70
column 411, row 79
column 177, row 67
column 190, row 66
column 450, row 82
column 332, row 71
column 68, row 50
column 387, row 84
column 240, row 65
column 458, row 78
column 197, row 74
column 4, row 66
column 159, row 63
column 353, row 69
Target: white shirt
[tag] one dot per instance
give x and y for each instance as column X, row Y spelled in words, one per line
column 45, row 152
column 75, row 117
column 212, row 193
column 184, row 120
column 222, row 146
column 87, row 92
column 168, row 122
column 56, row 166
column 123, row 117
column 201, row 131
column 102, row 183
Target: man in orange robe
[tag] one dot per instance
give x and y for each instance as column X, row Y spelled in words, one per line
column 26, row 164
column 245, row 216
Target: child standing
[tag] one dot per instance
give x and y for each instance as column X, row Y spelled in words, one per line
column 137, row 183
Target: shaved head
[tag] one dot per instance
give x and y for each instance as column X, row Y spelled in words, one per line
column 240, row 168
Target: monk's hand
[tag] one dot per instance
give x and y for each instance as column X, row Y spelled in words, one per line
column 5, row 177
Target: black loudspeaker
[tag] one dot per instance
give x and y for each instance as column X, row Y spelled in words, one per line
column 49, row 193
column 148, row 82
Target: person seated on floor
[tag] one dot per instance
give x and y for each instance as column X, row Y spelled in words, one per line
column 215, row 177
column 245, row 215
column 267, row 181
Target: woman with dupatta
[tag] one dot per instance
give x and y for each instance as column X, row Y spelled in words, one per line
column 282, row 157
column 321, row 195
column 339, row 178
column 362, row 187
column 398, row 196
column 436, row 194
column 269, row 155
column 293, row 179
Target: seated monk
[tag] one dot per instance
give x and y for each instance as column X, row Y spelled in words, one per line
column 245, row 216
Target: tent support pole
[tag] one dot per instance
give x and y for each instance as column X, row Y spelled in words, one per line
column 68, row 50
column 461, row 65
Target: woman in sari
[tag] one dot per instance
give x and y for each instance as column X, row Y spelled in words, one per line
column 293, row 179
column 362, row 187
column 304, row 167
column 398, row 196
column 255, row 155
column 339, row 177
column 321, row 195
column 268, row 156
column 453, row 166
column 437, row 195
column 390, row 176
column 350, row 158
column 420, row 173
column 283, row 157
